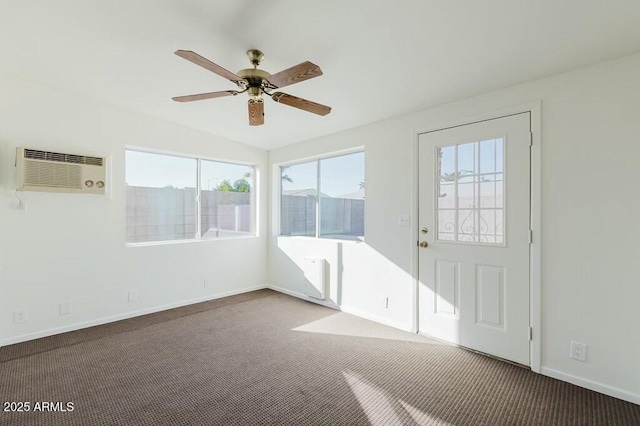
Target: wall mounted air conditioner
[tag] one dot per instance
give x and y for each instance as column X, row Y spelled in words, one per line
column 59, row 172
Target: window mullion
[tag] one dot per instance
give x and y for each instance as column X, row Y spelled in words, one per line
column 318, row 198
column 198, row 200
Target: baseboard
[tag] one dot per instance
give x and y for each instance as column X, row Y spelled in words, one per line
column 592, row 385
column 303, row 296
column 119, row 317
column 346, row 309
column 375, row 318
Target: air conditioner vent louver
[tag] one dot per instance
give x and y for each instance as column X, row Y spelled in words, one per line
column 37, row 173
column 62, row 158
column 57, row 172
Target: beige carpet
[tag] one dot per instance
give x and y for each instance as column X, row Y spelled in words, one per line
column 268, row 359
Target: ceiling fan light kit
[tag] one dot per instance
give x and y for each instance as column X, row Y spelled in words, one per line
column 256, row 83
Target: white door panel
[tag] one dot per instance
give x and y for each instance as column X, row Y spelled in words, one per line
column 474, row 203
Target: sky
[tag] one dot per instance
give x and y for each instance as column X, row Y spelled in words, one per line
column 338, row 175
column 489, row 158
column 158, row 171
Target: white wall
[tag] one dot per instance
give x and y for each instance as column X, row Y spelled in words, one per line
column 72, row 246
column 590, row 252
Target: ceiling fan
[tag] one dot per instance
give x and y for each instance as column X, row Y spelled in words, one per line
column 257, row 83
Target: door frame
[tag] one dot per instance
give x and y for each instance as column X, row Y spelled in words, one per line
column 535, row 216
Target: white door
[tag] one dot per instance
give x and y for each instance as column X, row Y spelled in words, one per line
column 474, row 186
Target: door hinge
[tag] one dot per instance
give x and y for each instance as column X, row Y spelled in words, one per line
column 530, row 334
column 530, row 138
column 530, row 236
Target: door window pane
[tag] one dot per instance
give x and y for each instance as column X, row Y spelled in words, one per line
column 226, row 202
column 470, row 197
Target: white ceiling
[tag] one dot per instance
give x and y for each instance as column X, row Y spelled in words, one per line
column 379, row 58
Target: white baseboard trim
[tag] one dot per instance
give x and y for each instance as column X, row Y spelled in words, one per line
column 592, row 385
column 126, row 315
column 303, row 296
column 346, row 309
column 375, row 318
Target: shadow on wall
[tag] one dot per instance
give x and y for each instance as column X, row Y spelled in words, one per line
column 358, row 277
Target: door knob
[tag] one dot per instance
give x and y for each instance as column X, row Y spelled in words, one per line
column 424, row 244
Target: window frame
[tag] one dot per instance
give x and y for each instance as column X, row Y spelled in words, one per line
column 277, row 171
column 199, row 158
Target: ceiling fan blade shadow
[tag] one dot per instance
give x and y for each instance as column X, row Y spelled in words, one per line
column 295, row 74
column 300, row 103
column 202, row 96
column 207, row 64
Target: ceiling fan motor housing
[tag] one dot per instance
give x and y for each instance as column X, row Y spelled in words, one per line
column 254, row 78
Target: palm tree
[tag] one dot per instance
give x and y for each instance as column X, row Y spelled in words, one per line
column 453, row 176
column 285, row 177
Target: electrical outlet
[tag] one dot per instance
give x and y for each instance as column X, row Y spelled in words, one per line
column 65, row 308
column 133, row 295
column 404, row 220
column 20, row 316
column 208, row 283
column 385, row 302
column 578, row 351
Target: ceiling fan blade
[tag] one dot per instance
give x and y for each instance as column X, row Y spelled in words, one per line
column 207, row 64
column 256, row 113
column 300, row 103
column 201, row 96
column 296, row 74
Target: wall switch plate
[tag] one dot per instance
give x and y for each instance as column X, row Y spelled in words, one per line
column 20, row 316
column 578, row 351
column 65, row 308
column 133, row 295
column 404, row 220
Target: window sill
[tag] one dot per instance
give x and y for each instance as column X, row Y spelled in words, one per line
column 172, row 242
column 334, row 240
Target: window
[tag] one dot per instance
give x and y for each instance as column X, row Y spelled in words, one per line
column 226, row 206
column 470, row 203
column 179, row 198
column 324, row 198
